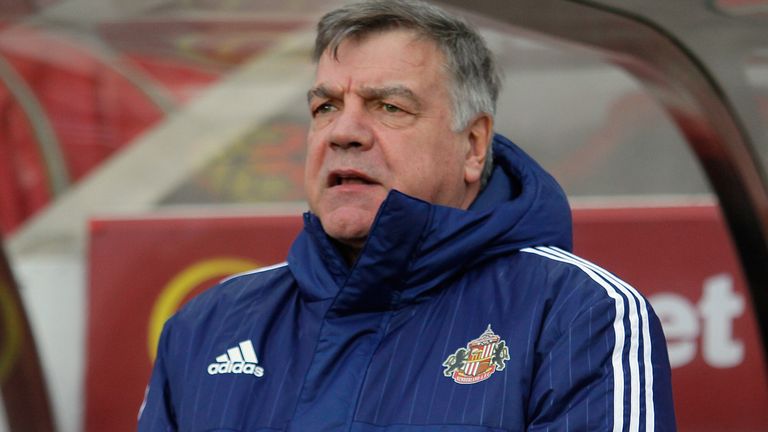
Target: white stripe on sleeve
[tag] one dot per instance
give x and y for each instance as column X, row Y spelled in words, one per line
column 646, row 333
column 618, row 330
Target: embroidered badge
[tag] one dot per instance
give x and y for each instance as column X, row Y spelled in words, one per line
column 479, row 360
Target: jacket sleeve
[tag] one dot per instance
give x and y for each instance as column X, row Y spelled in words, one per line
column 156, row 413
column 605, row 369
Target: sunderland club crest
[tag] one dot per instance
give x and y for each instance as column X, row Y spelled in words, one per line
column 479, row 360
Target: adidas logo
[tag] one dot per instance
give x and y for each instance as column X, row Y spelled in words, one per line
column 238, row 360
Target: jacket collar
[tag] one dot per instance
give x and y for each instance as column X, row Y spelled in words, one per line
column 520, row 206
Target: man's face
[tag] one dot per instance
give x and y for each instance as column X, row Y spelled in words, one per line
column 381, row 120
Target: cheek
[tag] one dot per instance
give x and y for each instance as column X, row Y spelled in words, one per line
column 312, row 166
column 432, row 175
column 414, row 174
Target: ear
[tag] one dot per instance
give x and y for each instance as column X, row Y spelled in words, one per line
column 478, row 138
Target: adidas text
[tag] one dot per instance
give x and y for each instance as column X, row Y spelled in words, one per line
column 238, row 360
column 236, row 368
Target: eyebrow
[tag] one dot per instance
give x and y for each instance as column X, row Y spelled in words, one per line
column 322, row 91
column 389, row 91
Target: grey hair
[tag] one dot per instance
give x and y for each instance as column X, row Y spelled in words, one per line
column 475, row 79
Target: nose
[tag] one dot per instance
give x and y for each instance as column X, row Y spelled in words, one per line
column 351, row 129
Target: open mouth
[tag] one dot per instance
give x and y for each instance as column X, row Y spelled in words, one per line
column 340, row 179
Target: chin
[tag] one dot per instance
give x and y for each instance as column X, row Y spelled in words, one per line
column 348, row 227
column 347, row 236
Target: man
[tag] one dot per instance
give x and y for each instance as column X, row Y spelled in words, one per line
column 426, row 292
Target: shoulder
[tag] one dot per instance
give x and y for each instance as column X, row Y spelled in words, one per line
column 572, row 287
column 238, row 289
column 553, row 288
column 576, row 288
column 569, row 274
column 220, row 309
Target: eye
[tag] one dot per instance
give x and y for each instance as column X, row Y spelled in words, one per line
column 323, row 108
column 392, row 109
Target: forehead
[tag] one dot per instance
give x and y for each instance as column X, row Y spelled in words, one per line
column 393, row 55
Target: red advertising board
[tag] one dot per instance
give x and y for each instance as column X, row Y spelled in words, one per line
column 141, row 270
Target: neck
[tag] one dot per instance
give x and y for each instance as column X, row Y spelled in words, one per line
column 349, row 252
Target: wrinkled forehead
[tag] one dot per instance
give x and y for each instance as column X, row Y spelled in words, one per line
column 388, row 62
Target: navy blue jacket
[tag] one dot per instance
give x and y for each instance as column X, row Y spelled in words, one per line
column 449, row 320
